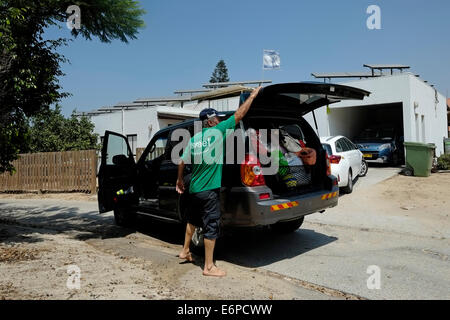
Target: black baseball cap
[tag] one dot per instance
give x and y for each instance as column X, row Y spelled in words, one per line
column 209, row 113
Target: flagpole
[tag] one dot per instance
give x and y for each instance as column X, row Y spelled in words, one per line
column 263, row 66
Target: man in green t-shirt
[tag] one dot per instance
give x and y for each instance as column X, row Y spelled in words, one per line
column 205, row 153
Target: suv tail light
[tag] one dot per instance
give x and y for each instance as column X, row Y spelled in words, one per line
column 335, row 159
column 328, row 164
column 251, row 173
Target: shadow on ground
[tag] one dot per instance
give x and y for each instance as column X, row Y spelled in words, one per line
column 38, row 220
column 249, row 247
column 261, row 247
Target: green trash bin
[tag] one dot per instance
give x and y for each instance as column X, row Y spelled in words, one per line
column 419, row 158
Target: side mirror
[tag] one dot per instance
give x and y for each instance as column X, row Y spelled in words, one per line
column 120, row 160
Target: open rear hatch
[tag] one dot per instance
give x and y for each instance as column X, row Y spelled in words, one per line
column 303, row 97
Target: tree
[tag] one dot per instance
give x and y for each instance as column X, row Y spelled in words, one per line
column 30, row 66
column 50, row 131
column 79, row 134
column 220, row 73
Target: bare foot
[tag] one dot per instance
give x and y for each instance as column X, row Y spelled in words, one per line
column 186, row 256
column 214, row 272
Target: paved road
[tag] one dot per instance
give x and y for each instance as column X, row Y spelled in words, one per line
column 376, row 174
column 332, row 250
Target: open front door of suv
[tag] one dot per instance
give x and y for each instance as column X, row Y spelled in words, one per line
column 117, row 172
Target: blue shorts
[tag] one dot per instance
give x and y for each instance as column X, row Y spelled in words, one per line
column 204, row 212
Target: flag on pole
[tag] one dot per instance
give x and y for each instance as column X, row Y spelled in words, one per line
column 271, row 60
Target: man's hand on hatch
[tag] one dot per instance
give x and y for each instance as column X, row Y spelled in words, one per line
column 243, row 109
column 255, row 92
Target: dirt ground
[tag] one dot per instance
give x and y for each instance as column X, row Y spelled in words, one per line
column 424, row 199
column 34, row 259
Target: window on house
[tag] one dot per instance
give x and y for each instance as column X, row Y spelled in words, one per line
column 132, row 141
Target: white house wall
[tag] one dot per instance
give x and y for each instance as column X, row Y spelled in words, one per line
column 430, row 107
column 108, row 121
column 143, row 123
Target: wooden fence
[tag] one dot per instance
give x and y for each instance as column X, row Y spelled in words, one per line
column 74, row 171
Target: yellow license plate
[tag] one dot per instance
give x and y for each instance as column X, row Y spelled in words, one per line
column 368, row 155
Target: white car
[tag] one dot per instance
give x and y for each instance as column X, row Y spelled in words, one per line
column 345, row 158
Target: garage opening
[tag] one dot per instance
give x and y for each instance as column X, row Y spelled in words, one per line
column 352, row 121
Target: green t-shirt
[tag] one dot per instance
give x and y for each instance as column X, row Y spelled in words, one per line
column 205, row 153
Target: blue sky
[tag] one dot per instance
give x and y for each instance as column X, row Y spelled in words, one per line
column 183, row 41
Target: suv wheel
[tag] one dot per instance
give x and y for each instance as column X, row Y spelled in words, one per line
column 288, row 226
column 349, row 187
column 124, row 217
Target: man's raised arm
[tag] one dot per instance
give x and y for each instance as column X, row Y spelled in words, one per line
column 242, row 111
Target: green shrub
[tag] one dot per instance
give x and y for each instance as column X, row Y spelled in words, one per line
column 444, row 162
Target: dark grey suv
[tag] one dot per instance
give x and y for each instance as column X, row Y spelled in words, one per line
column 148, row 186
